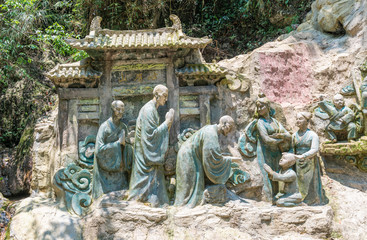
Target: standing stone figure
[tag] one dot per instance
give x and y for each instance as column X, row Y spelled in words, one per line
column 113, row 155
column 341, row 119
column 147, row 182
column 266, row 138
column 200, row 156
column 305, row 144
column 288, row 195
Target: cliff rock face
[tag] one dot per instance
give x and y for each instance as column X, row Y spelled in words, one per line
column 44, row 153
column 297, row 68
column 15, row 173
column 319, row 59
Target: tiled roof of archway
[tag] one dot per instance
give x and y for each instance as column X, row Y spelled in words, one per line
column 73, row 71
column 79, row 73
column 201, row 69
column 163, row 38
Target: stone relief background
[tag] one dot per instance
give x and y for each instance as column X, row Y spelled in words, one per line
column 293, row 72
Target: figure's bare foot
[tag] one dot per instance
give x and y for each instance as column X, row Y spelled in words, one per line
column 334, row 140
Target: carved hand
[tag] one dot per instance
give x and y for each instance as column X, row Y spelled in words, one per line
column 268, row 169
column 278, row 135
column 169, row 117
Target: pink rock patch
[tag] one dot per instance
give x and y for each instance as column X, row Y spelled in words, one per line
column 286, row 75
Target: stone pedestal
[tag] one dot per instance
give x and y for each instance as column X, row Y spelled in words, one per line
column 113, row 218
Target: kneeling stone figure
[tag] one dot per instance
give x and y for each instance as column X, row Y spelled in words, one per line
column 199, row 157
column 288, row 195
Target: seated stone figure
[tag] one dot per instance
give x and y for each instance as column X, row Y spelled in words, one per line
column 113, row 155
column 341, row 119
column 199, row 157
column 288, row 195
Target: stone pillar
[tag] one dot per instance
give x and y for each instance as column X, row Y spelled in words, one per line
column 173, row 100
column 62, row 120
column 105, row 90
column 69, row 146
column 204, row 100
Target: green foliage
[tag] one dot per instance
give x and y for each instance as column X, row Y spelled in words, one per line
column 239, row 26
column 33, row 33
column 236, row 26
column 28, row 29
column 55, row 36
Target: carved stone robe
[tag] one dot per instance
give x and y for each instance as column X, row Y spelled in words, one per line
column 111, row 159
column 345, row 114
column 198, row 157
column 258, row 141
column 308, row 171
column 147, row 182
column 269, row 153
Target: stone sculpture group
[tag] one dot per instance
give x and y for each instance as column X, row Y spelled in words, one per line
column 199, row 156
column 289, row 165
column 266, row 138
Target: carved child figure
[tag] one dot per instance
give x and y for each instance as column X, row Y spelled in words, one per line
column 288, row 195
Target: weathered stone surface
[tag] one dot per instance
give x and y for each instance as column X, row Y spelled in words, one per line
column 10, row 183
column 299, row 67
column 295, row 71
column 129, row 220
column 40, row 218
column 44, row 153
column 15, row 172
column 346, row 187
column 338, row 16
column 114, row 218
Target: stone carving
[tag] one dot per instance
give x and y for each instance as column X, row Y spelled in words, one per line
column 341, row 125
column 237, row 174
column 72, row 186
column 143, row 89
column 305, row 144
column 265, row 138
column 95, row 26
column 113, row 154
column 212, row 73
column 147, row 182
column 288, row 195
column 75, row 75
column 353, row 152
column 199, row 157
column 154, row 38
column 86, row 151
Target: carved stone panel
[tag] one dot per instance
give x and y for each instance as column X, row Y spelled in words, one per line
column 138, row 74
